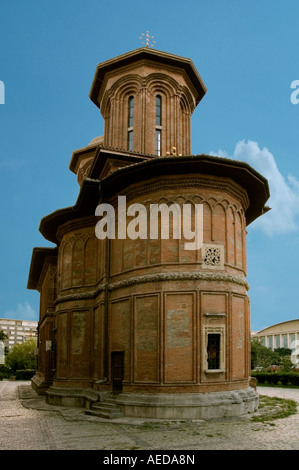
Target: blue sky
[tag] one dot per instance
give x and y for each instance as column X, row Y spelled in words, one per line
column 247, row 55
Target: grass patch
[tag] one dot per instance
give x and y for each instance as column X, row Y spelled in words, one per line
column 272, row 408
column 149, row 426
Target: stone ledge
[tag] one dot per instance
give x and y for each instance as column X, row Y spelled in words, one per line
column 76, row 397
column 210, row 405
column 189, row 406
column 40, row 384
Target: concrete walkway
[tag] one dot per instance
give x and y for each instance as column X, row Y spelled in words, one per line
column 28, row 423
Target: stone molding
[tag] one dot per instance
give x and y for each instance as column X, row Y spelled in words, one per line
column 77, row 224
column 178, row 276
column 189, row 181
column 157, row 277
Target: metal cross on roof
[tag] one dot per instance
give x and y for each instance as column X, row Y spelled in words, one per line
column 147, row 39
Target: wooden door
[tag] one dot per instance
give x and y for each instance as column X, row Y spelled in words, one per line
column 117, row 370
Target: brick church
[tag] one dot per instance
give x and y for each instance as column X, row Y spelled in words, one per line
column 142, row 323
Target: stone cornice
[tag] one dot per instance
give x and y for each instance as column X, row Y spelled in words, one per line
column 178, row 276
column 157, row 277
column 75, row 225
column 190, row 182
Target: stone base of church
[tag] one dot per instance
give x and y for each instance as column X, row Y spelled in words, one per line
column 209, row 405
column 72, row 397
column 189, row 406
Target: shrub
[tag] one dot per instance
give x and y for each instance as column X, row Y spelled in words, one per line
column 284, row 378
column 260, row 376
column 5, row 372
column 274, row 378
column 25, row 374
column 294, row 379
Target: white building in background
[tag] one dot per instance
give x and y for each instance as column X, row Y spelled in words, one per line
column 2, row 352
column 281, row 335
column 18, row 331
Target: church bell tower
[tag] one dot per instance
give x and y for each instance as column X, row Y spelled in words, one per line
column 146, row 98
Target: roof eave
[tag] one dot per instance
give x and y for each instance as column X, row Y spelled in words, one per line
column 149, row 54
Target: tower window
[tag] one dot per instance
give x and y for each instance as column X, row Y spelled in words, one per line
column 158, row 110
column 130, row 122
column 213, row 351
column 130, row 140
column 158, row 125
column 158, row 142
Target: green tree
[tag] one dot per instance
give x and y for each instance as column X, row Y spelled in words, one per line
column 3, row 336
column 261, row 356
column 286, row 364
column 283, row 351
column 22, row 356
column 284, row 361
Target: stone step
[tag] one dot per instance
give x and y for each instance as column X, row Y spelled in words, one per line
column 111, row 400
column 107, row 414
column 106, row 409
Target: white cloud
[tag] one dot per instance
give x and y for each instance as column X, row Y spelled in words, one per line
column 22, row 312
column 284, row 193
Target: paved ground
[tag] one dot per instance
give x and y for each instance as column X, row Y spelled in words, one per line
column 28, row 423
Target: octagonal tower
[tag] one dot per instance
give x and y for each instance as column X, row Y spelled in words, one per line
column 146, row 98
column 162, row 327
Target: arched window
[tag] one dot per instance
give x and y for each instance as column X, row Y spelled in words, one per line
column 158, row 125
column 130, row 122
column 158, row 110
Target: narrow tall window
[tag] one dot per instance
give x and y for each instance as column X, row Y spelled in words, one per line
column 285, row 341
column 158, row 142
column 130, row 122
column 158, row 125
column 213, row 351
column 158, row 110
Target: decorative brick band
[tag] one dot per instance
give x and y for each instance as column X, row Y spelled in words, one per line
column 157, row 277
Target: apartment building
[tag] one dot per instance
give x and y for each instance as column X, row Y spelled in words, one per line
column 18, row 331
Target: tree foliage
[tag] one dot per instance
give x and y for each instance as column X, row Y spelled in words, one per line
column 263, row 357
column 3, row 336
column 22, row 356
column 283, row 351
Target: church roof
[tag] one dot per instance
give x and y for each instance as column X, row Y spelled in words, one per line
column 145, row 53
column 39, row 256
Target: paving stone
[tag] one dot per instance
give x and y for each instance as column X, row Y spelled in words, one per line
column 29, row 423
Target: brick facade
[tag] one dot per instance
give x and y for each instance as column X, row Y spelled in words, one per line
column 145, row 315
